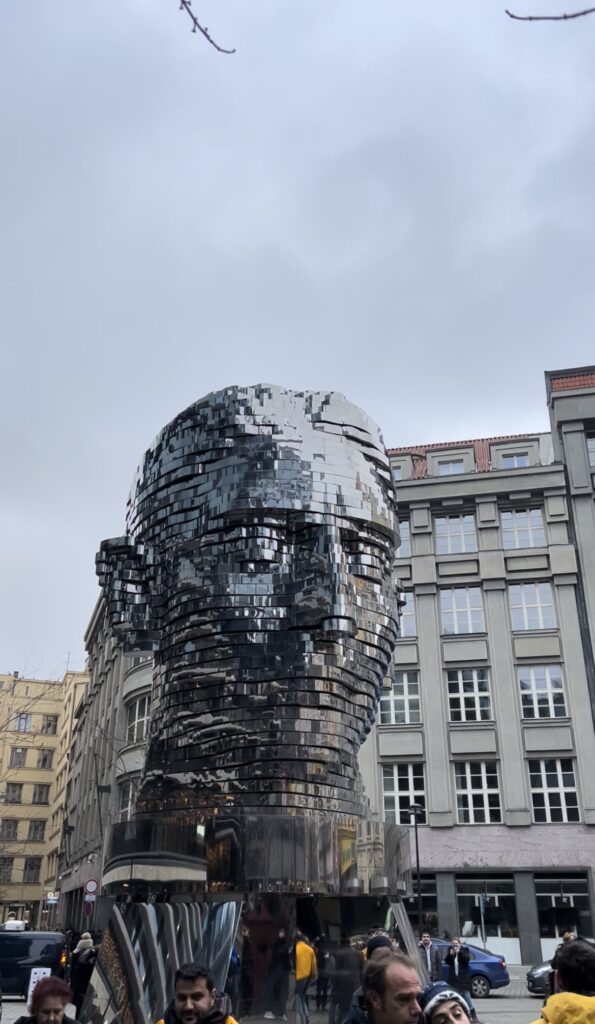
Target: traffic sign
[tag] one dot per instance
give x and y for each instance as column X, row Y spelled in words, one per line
column 88, row 908
column 91, row 887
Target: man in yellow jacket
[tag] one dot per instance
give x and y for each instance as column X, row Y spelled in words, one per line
column 195, row 999
column 574, row 978
column 305, row 972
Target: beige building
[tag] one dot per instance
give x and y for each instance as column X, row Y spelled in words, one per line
column 488, row 724
column 30, row 714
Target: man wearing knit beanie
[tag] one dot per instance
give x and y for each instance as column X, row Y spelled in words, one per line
column 441, row 1004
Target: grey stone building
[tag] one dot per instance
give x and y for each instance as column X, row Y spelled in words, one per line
column 488, row 724
column 104, row 766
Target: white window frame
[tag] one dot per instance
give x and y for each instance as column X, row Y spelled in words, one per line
column 49, row 725
column 473, row 801
column 22, row 722
column 517, row 460
column 18, row 758
column 32, row 865
column 126, row 802
column 518, row 525
column 404, row 549
column 590, row 438
column 558, row 767
column 38, row 789
column 465, row 694
column 45, row 753
column 408, row 787
column 401, row 704
column 456, row 534
column 450, row 467
column 523, row 598
column 543, row 683
column 461, row 611
column 408, row 621
column 137, row 719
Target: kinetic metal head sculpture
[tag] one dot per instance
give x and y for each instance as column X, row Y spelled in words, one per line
column 258, row 568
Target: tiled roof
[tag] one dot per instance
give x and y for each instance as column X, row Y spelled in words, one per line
column 583, row 380
column 481, row 447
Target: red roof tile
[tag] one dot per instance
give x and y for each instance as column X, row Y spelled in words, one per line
column 481, row 447
column 583, row 380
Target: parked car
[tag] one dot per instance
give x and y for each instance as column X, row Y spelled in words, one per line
column 488, row 970
column 538, row 978
column 21, row 951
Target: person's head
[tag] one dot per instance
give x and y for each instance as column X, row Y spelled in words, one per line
column 426, row 938
column 568, row 936
column 378, row 944
column 441, row 1004
column 456, row 944
column 574, row 965
column 194, row 993
column 391, row 989
column 281, row 933
column 261, row 537
column 50, row 998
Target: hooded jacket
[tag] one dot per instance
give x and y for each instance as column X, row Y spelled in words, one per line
column 568, row 1008
column 214, row 1016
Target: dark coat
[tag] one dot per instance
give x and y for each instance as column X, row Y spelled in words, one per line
column 435, row 961
column 358, row 1013
column 462, row 980
column 25, row 1019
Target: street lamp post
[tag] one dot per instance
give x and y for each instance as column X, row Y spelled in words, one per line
column 416, row 811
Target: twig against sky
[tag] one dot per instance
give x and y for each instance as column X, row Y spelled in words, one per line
column 551, row 17
column 186, row 5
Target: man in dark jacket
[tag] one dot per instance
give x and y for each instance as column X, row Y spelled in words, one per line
column 457, row 960
column 430, row 958
column 390, row 991
column 194, row 999
column 277, row 986
column 345, row 973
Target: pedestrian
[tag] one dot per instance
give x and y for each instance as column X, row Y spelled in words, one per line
column 247, row 975
column 48, row 1003
column 83, row 965
column 441, row 1004
column 429, row 955
column 322, row 966
column 277, row 983
column 305, row 973
column 574, row 981
column 346, row 975
column 457, row 960
column 195, row 999
column 390, row 990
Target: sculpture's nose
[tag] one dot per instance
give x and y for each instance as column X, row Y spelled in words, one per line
column 325, row 597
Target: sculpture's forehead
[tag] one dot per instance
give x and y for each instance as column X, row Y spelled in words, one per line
column 285, row 452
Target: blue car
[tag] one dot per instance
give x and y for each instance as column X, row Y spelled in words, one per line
column 487, row 970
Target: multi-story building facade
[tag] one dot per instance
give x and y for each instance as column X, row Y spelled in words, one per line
column 488, row 723
column 30, row 714
column 106, row 758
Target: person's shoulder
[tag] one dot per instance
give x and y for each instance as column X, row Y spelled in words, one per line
column 228, row 1020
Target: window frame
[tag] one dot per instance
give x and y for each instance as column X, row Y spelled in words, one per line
column 408, row 617
column 515, row 529
column 403, row 702
column 126, row 808
column 22, row 721
column 466, row 611
column 447, row 536
column 441, row 465
column 525, row 456
column 137, row 725
column 519, row 612
column 49, row 752
column 15, row 763
column 38, row 787
column 6, row 861
column 41, row 826
column 32, row 865
column 16, row 787
column 404, row 549
column 9, row 835
column 475, row 695
column 547, row 791
column 548, row 692
column 492, row 815
column 411, row 793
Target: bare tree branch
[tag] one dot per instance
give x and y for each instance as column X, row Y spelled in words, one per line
column 185, row 5
column 551, row 17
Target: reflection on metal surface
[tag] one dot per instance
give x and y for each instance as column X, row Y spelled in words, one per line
column 258, row 568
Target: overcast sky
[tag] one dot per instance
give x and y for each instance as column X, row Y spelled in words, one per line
column 394, row 200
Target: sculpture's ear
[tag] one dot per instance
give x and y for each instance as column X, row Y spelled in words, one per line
column 125, row 570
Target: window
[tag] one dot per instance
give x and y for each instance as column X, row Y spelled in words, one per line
column 553, row 790
column 397, row 472
column 49, row 725
column 514, row 460
column 6, row 868
column 469, row 695
column 138, row 720
column 532, row 606
column 448, row 467
column 41, row 794
column 127, row 795
column 22, row 722
column 31, row 870
column 14, row 792
column 523, row 528
column 402, row 785
column 563, row 904
column 591, row 449
column 18, row 757
column 36, row 830
column 45, row 758
column 455, row 534
column 478, row 796
column 408, row 624
column 404, row 550
column 542, row 691
column 400, row 705
column 9, row 829
column 462, row 610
